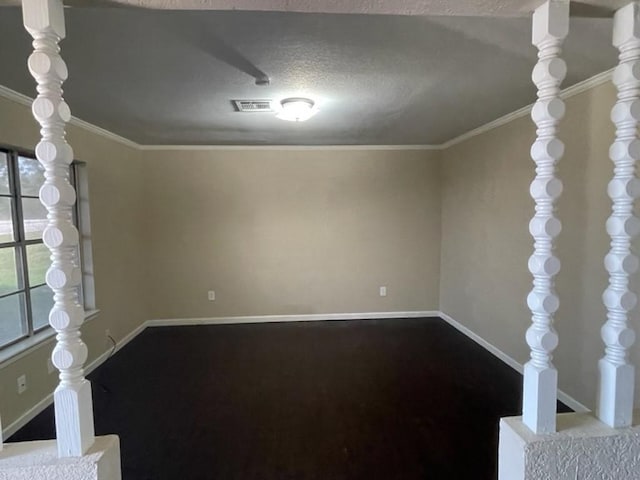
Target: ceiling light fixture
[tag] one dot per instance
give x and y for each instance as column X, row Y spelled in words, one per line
column 297, row 109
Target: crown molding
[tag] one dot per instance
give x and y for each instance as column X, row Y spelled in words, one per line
column 103, row 133
column 286, row 147
column 568, row 92
column 15, row 96
column 27, row 101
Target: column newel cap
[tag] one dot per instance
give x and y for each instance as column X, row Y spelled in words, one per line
column 44, row 15
column 626, row 24
column 550, row 21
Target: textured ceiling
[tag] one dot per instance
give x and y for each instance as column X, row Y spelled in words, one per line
column 494, row 8
column 167, row 77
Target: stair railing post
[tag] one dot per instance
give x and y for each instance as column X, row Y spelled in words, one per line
column 550, row 27
column 44, row 20
column 617, row 375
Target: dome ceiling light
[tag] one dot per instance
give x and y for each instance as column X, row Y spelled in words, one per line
column 297, row 109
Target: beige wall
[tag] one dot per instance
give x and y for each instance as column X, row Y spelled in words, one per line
column 292, row 231
column 485, row 213
column 318, row 231
column 117, row 223
column 273, row 232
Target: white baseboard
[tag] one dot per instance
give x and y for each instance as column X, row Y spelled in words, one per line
column 167, row 322
column 563, row 397
column 483, row 343
column 315, row 317
column 27, row 416
column 90, row 367
column 34, row 411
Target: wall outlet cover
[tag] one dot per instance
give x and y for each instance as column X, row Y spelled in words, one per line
column 22, row 384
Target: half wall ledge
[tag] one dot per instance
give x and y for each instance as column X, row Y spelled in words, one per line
column 584, row 448
column 39, row 461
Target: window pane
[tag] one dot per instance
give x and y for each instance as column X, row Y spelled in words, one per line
column 38, row 262
column 31, row 176
column 4, row 174
column 6, row 222
column 35, row 218
column 8, row 271
column 41, row 304
column 12, row 324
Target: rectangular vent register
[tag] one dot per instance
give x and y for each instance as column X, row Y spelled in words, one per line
column 253, row 105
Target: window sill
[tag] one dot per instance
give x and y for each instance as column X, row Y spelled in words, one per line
column 23, row 348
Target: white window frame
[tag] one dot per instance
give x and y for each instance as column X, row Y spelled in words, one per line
column 15, row 349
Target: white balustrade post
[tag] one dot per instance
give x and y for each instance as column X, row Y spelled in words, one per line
column 44, row 20
column 550, row 27
column 615, row 398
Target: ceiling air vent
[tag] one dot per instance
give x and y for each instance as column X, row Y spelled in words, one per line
column 253, row 105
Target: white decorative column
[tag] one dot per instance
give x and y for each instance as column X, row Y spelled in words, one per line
column 44, row 20
column 550, row 27
column 615, row 399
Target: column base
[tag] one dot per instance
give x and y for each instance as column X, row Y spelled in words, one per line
column 74, row 419
column 540, row 398
column 39, row 461
column 615, row 401
column 583, row 448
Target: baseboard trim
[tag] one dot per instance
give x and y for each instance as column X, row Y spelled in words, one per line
column 27, row 416
column 314, row 317
column 167, row 322
column 90, row 367
column 562, row 396
column 483, row 343
column 34, row 411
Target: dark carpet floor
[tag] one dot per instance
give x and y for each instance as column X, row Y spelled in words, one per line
column 373, row 399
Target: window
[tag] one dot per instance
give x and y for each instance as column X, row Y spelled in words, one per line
column 25, row 298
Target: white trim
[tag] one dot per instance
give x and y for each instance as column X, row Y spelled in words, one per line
column 90, row 367
column 27, row 101
column 572, row 403
column 103, row 133
column 32, row 412
column 579, row 87
column 286, row 147
column 483, row 343
column 316, row 317
column 563, row 397
column 15, row 96
column 568, row 92
column 15, row 352
column 27, row 416
column 45, row 402
column 588, row 84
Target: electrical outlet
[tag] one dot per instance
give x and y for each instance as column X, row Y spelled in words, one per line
column 211, row 295
column 50, row 366
column 383, row 291
column 22, row 384
column 107, row 333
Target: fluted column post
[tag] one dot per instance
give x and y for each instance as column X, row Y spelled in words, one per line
column 550, row 27
column 616, row 389
column 44, row 20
